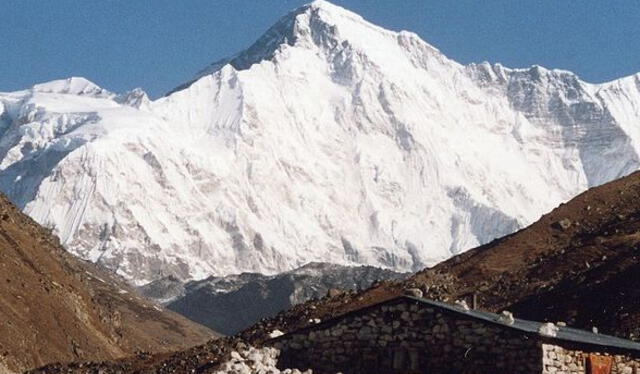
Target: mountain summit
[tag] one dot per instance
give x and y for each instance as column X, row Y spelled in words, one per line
column 330, row 140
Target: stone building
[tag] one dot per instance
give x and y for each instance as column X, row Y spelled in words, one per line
column 413, row 335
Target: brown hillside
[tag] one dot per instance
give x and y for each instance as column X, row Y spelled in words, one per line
column 54, row 307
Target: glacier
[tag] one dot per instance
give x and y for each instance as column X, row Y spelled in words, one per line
column 328, row 140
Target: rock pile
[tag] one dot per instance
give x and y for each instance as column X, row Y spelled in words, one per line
column 255, row 361
column 252, row 360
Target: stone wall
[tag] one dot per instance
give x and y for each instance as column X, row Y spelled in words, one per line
column 573, row 360
column 408, row 337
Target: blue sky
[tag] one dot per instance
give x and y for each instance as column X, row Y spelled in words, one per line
column 158, row 44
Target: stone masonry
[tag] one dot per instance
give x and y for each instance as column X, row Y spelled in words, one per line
column 573, row 360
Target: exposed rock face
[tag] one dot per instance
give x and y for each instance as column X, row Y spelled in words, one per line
column 233, row 303
column 330, row 139
column 56, row 308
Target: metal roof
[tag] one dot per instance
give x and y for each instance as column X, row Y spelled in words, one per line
column 532, row 327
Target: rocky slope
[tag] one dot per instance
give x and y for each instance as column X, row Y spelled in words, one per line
column 233, row 303
column 330, row 139
column 227, row 355
column 54, row 307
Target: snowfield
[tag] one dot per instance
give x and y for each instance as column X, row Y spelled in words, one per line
column 329, row 140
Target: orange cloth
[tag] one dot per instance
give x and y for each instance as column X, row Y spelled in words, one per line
column 600, row 364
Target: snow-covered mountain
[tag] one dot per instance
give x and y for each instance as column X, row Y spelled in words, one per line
column 330, row 139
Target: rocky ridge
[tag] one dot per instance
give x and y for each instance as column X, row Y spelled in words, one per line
column 233, row 303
